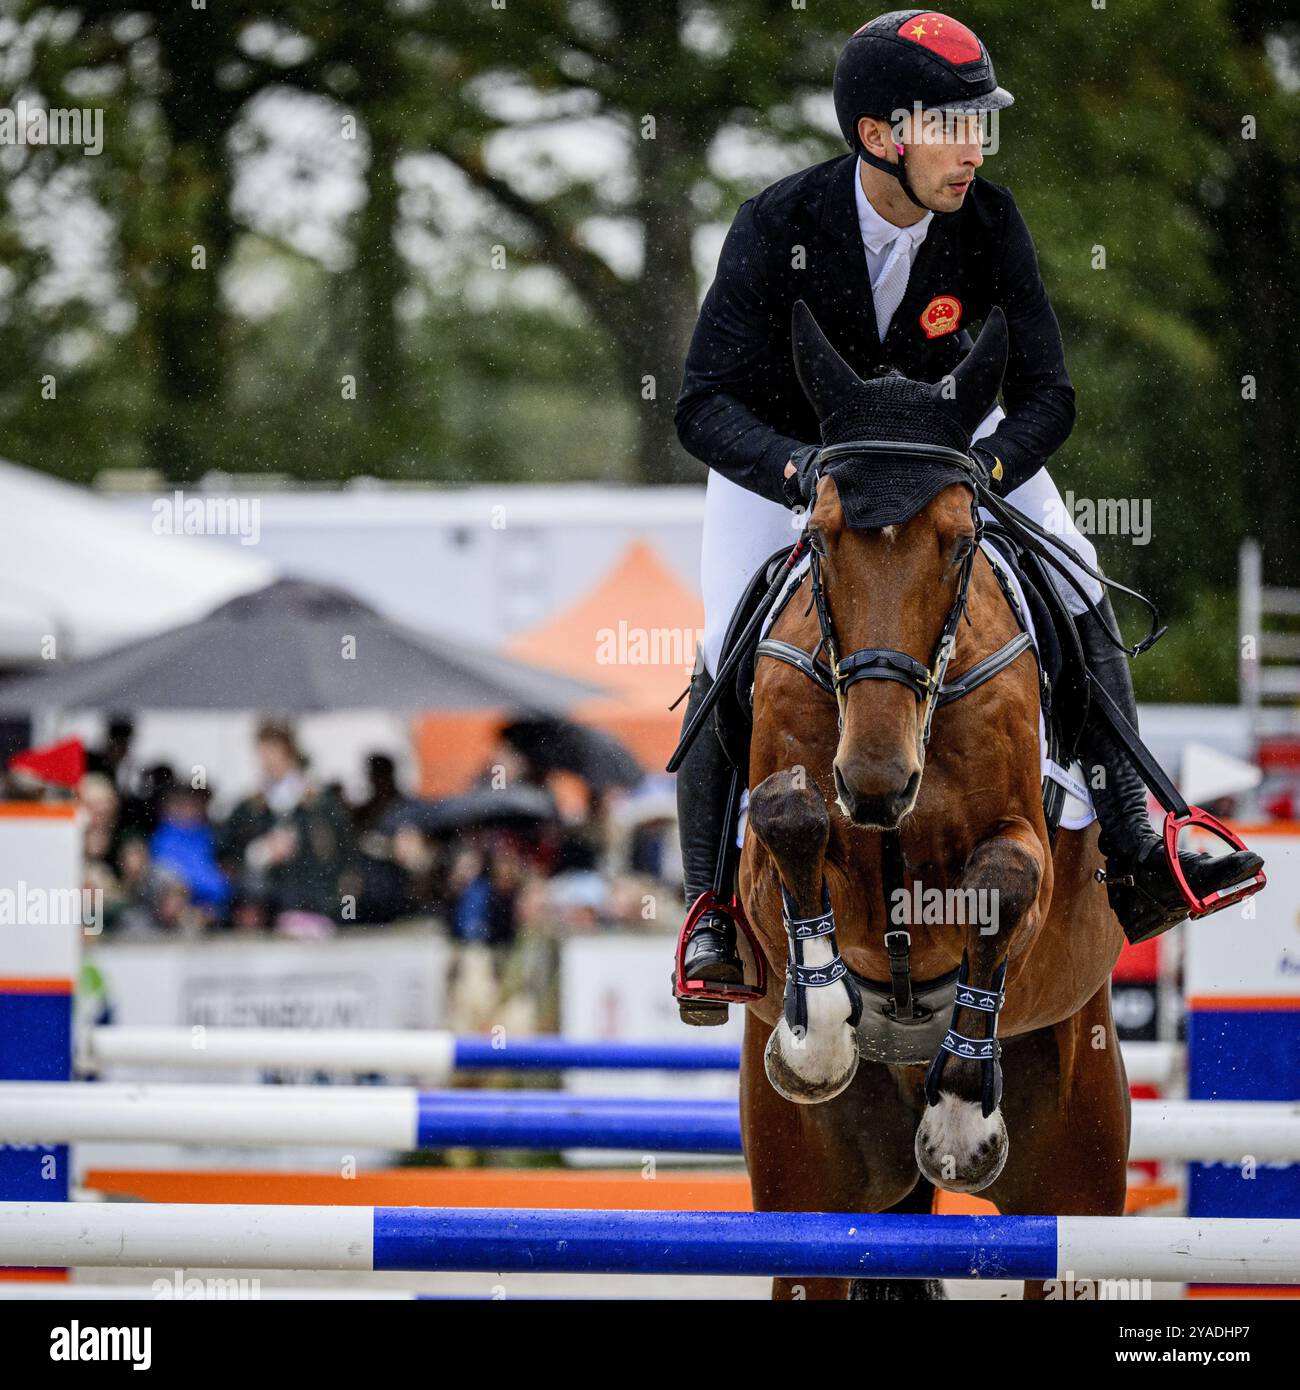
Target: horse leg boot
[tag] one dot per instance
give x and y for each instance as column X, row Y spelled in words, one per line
column 1139, row 882
column 812, row 1053
column 703, row 787
column 961, row 1142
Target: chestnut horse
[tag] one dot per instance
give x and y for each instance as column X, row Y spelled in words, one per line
column 838, row 1109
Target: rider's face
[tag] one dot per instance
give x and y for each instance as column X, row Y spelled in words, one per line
column 941, row 163
column 942, row 154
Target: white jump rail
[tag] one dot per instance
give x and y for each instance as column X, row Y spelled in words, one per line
column 436, row 1056
column 1224, row 1250
column 402, row 1118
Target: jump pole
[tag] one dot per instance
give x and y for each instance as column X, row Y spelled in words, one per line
column 34, row 1234
column 436, row 1056
column 403, row 1118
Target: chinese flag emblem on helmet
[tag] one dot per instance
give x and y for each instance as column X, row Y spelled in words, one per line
column 942, row 35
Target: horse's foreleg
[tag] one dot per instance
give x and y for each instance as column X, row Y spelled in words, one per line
column 813, row 1051
column 961, row 1143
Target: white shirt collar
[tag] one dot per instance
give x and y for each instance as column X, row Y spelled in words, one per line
column 878, row 233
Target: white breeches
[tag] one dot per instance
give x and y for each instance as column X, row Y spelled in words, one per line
column 742, row 529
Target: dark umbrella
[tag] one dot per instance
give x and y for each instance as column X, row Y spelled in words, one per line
column 478, row 806
column 559, row 744
column 294, row 646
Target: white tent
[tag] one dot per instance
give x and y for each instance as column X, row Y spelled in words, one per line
column 76, row 568
column 1208, row 773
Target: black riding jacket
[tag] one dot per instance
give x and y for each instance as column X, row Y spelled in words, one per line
column 741, row 409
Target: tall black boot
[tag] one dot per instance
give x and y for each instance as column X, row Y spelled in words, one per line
column 703, row 786
column 1139, row 882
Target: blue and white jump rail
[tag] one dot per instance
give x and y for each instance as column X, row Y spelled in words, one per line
column 402, row 1118
column 641, row 1242
column 437, row 1056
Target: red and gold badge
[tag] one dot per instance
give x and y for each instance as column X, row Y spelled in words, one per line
column 941, row 315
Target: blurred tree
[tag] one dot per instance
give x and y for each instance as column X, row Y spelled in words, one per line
column 498, row 218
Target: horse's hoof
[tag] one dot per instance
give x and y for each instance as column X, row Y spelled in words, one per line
column 957, row 1148
column 816, row 1086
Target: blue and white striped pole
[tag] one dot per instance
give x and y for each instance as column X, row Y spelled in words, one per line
column 639, row 1242
column 436, row 1056
column 396, row 1117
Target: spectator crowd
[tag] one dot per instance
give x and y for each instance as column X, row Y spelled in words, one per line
column 298, row 858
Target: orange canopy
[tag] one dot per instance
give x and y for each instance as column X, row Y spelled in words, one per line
column 633, row 634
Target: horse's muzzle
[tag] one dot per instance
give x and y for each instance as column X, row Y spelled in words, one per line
column 876, row 809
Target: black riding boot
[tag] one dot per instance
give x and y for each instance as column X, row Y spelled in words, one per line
column 1139, row 883
column 703, row 784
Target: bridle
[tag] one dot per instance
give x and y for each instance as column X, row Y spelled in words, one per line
column 887, row 663
column 928, row 683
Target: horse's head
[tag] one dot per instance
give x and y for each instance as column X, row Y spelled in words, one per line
column 893, row 535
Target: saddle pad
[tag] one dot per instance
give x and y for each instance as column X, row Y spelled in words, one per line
column 1078, row 812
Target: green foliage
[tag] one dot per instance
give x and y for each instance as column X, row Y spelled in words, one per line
column 1126, row 141
column 1196, row 660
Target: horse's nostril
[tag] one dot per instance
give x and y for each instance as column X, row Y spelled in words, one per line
column 874, row 807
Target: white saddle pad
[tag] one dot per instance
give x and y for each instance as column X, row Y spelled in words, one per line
column 1078, row 810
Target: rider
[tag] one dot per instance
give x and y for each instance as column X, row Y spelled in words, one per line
column 897, row 248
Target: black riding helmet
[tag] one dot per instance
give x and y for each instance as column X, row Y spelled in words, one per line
column 907, row 57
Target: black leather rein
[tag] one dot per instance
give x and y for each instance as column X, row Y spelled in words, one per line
column 887, row 663
column 927, row 683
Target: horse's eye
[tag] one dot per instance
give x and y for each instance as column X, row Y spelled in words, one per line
column 962, row 550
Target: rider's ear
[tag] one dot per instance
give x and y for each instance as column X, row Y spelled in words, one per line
column 825, row 376
column 979, row 374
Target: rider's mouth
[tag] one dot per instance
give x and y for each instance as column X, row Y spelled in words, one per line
column 960, row 185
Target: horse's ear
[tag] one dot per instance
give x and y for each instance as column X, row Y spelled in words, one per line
column 978, row 375
column 825, row 376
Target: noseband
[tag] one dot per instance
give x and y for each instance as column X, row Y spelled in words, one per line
column 887, row 663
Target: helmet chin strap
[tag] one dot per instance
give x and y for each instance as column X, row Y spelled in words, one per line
column 898, row 171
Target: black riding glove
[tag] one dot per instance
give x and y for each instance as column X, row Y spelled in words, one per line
column 801, row 485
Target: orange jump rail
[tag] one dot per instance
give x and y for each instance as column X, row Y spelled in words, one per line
column 598, row 1190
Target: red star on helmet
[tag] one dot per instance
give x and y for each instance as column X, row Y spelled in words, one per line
column 943, row 36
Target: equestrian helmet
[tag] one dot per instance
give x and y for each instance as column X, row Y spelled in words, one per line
column 910, row 56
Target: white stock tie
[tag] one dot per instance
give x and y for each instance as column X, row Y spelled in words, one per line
column 889, row 289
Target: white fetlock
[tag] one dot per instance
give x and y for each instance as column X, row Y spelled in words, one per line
column 958, row 1148
column 816, row 1060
